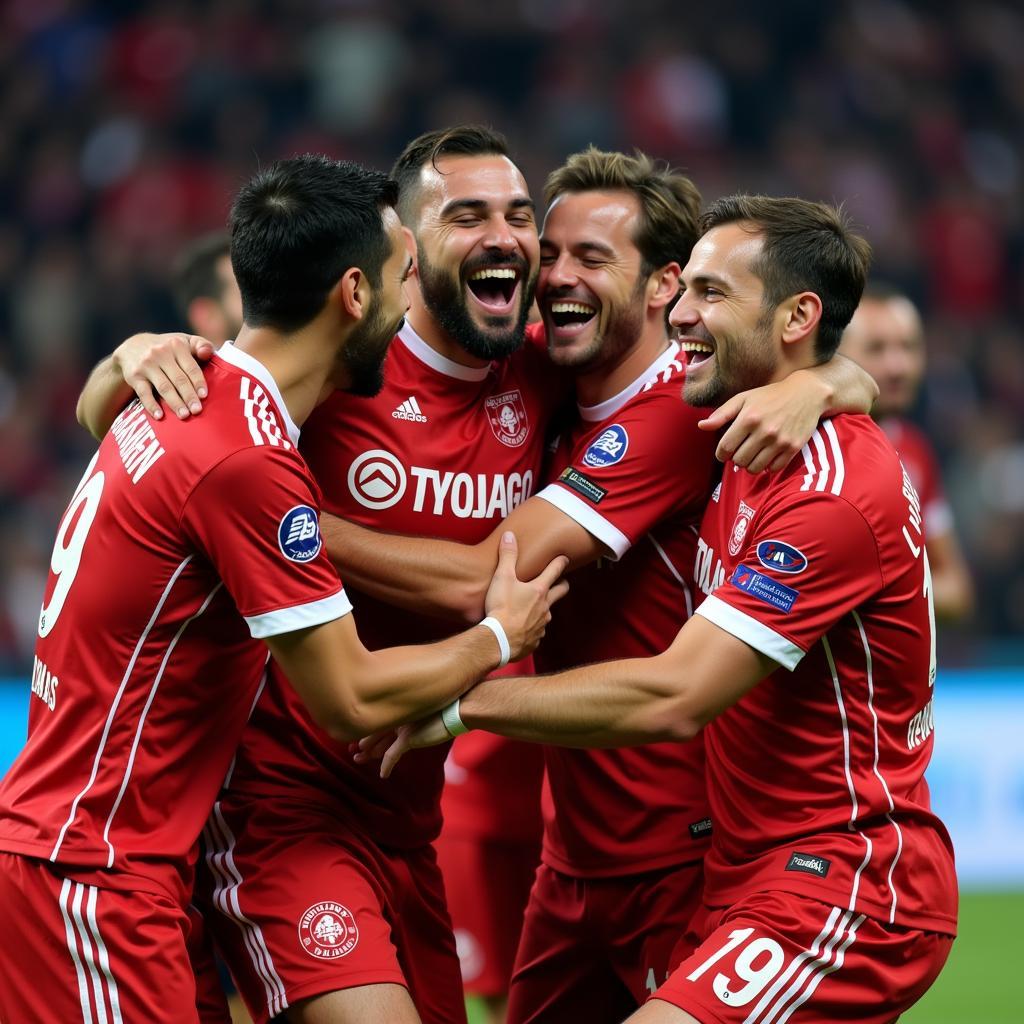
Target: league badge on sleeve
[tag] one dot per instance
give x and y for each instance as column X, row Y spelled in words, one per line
column 298, row 536
column 608, row 448
column 780, row 556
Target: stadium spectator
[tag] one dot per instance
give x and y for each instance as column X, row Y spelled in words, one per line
column 809, row 667
column 886, row 337
column 101, row 812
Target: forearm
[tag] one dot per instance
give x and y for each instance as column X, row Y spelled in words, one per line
column 402, row 684
column 105, row 394
column 610, row 704
column 422, row 575
column 845, row 386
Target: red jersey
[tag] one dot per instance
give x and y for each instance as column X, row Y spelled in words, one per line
column 918, row 457
column 636, row 473
column 444, row 450
column 183, row 542
column 816, row 776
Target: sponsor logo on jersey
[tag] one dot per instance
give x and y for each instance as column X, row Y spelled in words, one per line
column 576, row 481
column 328, row 930
column 708, row 571
column 717, row 492
column 378, row 480
column 764, row 588
column 700, row 829
column 410, row 410
column 608, row 449
column 783, row 557
column 506, row 414
column 739, row 528
column 44, row 684
column 809, row 863
column 298, row 536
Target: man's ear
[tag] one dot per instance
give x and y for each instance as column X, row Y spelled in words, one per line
column 801, row 316
column 354, row 292
column 665, row 284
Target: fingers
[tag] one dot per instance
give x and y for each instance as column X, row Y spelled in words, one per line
column 558, row 591
column 508, row 552
column 724, row 414
column 166, row 364
column 394, row 754
column 555, row 568
column 200, row 347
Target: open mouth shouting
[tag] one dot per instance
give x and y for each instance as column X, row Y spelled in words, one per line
column 497, row 290
column 697, row 351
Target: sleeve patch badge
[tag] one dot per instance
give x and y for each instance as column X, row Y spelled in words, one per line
column 608, row 448
column 298, row 535
column 764, row 588
column 780, row 556
column 576, row 481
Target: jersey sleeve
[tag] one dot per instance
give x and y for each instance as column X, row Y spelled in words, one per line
column 255, row 518
column 626, row 476
column 808, row 561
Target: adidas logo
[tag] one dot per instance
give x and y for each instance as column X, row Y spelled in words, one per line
column 410, row 410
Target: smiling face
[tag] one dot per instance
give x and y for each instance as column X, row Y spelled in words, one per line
column 730, row 338
column 592, row 286
column 477, row 251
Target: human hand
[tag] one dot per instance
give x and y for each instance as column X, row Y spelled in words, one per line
column 165, row 365
column 430, row 732
column 523, row 607
column 767, row 426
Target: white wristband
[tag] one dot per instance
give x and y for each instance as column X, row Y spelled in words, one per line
column 452, row 720
column 499, row 634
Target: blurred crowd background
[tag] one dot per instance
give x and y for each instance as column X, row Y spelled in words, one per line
column 125, row 128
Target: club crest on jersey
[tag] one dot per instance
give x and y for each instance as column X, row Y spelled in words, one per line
column 506, row 414
column 739, row 528
column 328, row 930
column 298, row 535
column 783, row 557
column 608, row 449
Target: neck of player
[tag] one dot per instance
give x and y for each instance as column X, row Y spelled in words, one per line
column 605, row 378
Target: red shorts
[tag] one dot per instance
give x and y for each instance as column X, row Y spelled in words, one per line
column 595, row 948
column 775, row 953
column 488, row 883
column 74, row 952
column 299, row 906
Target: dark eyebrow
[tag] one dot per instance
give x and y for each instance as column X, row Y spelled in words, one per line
column 481, row 205
column 584, row 247
column 707, row 279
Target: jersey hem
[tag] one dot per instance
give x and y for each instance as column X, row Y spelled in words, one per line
column 300, row 616
column 593, row 522
column 752, row 632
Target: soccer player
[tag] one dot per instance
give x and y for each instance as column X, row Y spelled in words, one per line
column 886, row 337
column 830, row 892
column 185, row 543
column 449, row 448
column 625, row 830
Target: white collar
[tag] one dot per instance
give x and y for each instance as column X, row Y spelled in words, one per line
column 610, row 406
column 232, row 354
column 422, row 351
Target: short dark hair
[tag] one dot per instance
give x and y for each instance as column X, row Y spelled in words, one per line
column 195, row 270
column 669, row 201
column 807, row 247
column 297, row 226
column 462, row 140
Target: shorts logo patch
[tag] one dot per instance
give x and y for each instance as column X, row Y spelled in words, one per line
column 764, row 588
column 298, row 535
column 328, row 931
column 506, row 414
column 700, row 829
column 739, row 528
column 581, row 484
column 376, row 479
column 780, row 556
column 809, row 863
column 608, row 449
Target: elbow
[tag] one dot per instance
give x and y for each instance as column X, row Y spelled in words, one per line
column 682, row 728
column 347, row 724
